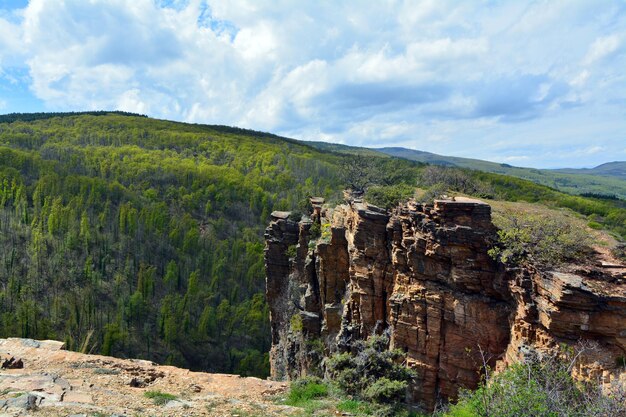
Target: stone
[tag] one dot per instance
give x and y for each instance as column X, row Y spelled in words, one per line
column 12, row 363
column 51, row 344
column 26, row 402
column 137, row 383
column 423, row 272
column 77, row 397
column 280, row 215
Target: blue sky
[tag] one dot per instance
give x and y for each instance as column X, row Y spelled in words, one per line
column 538, row 83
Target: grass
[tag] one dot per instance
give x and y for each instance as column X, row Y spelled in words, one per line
column 355, row 407
column 159, row 398
column 303, row 393
column 312, row 396
column 319, row 399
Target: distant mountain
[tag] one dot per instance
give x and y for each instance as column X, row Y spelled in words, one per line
column 346, row 149
column 605, row 180
column 610, row 169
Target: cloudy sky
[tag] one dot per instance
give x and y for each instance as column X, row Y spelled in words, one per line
column 537, row 83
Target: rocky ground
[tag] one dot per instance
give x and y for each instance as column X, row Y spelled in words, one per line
column 56, row 382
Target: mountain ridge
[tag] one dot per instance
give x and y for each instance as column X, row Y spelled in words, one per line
column 598, row 181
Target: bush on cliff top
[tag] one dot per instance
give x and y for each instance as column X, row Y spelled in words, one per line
column 538, row 387
column 544, row 238
column 389, row 196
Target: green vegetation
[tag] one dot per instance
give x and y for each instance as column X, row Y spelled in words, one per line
column 604, row 180
column 136, row 237
column 543, row 238
column 370, row 381
column 373, row 373
column 609, row 214
column 29, row 117
column 610, row 169
column 454, row 179
column 538, row 387
column 305, row 390
column 159, row 398
column 322, row 399
column 388, row 196
column 146, row 235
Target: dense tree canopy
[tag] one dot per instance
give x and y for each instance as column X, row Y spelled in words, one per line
column 137, row 237
column 130, row 236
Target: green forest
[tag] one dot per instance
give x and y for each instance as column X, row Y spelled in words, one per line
column 135, row 237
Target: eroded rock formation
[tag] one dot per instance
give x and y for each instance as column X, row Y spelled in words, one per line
column 424, row 274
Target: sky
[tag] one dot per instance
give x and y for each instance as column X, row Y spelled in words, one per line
column 529, row 83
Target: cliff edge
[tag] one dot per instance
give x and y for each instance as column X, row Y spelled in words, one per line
column 45, row 380
column 423, row 274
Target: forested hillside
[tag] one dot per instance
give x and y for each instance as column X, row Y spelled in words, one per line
column 137, row 237
column 606, row 180
column 597, row 181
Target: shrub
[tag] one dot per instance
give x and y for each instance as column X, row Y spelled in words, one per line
column 158, row 397
column 305, row 206
column 325, row 232
column 389, row 196
column 374, row 373
column 432, row 193
column 539, row 387
column 305, row 390
column 547, row 240
column 455, row 179
column 619, row 251
column 386, row 391
column 315, row 230
column 594, row 225
column 295, row 323
column 292, row 251
column 295, row 215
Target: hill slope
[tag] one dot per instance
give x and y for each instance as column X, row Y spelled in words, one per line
column 143, row 238
column 607, row 179
column 136, row 237
column 610, row 169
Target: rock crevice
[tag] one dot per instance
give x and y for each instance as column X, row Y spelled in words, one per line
column 423, row 273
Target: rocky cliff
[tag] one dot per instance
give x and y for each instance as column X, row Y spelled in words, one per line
column 422, row 273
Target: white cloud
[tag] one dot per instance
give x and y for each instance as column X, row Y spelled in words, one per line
column 601, row 48
column 9, row 41
column 434, row 75
column 516, row 158
column 256, row 42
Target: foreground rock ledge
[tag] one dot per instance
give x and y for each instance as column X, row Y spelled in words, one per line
column 56, row 382
column 423, row 272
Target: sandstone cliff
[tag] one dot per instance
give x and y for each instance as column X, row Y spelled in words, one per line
column 423, row 273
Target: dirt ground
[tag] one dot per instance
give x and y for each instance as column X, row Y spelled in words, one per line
column 56, row 382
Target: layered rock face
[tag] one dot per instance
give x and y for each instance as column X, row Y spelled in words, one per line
column 423, row 274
